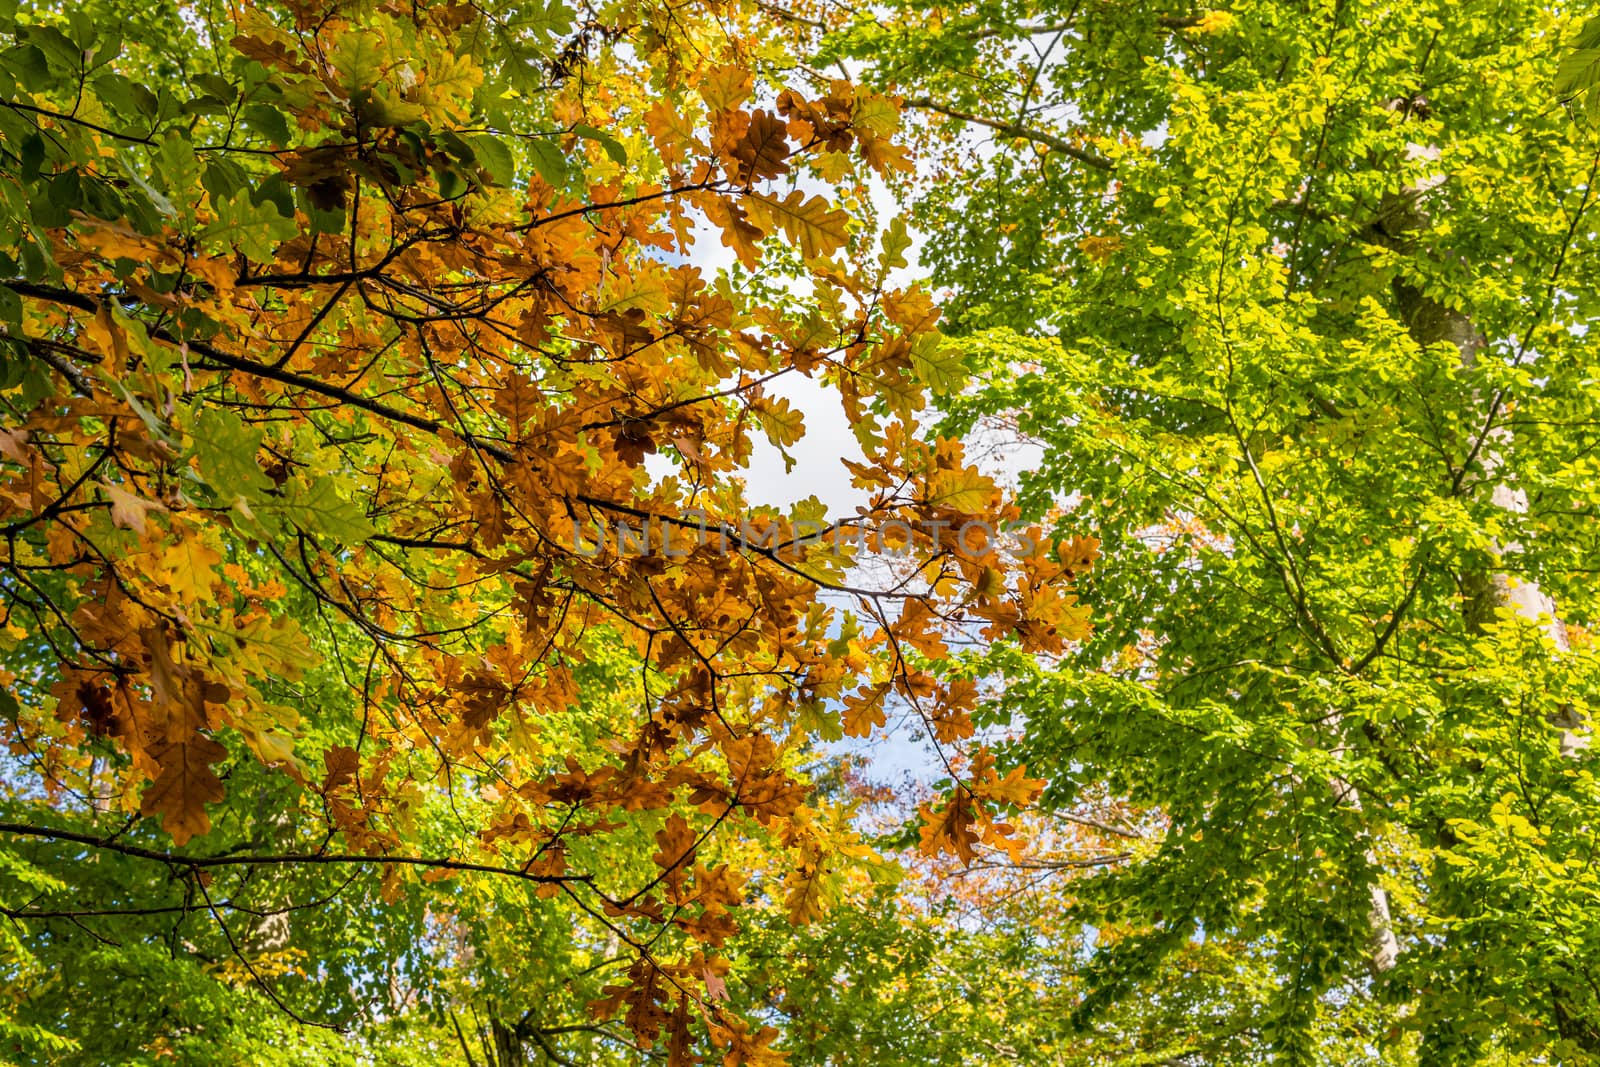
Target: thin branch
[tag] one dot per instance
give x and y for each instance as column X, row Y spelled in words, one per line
column 277, row 859
column 1029, row 133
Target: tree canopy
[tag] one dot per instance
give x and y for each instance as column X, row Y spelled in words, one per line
column 1303, row 339
column 394, row 667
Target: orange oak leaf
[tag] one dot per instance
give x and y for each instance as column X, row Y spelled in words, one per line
column 185, row 786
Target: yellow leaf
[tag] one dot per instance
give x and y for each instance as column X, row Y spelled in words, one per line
column 358, row 59
column 190, row 567
column 1014, row 788
column 725, row 86
column 818, row 229
column 110, row 241
column 1215, row 22
column 278, row 646
column 1100, row 249
column 129, row 510
column 783, row 424
column 966, row 489
column 672, row 132
column 807, row 890
column 877, row 114
column 646, row 290
column 737, row 231
column 447, row 87
column 917, row 627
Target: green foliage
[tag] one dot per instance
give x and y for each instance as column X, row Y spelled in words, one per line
column 1210, row 270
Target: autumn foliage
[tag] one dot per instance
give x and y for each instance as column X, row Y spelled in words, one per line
column 341, row 360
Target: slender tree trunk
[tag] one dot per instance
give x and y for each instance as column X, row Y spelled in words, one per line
column 1383, row 948
column 1430, row 322
column 1401, row 219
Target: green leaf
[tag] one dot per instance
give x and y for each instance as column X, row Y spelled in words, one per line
column 496, row 158
column 451, row 183
column 895, row 242
column 28, row 64
column 270, row 122
column 319, row 507
column 224, row 178
column 226, row 449
column 178, row 171
column 1589, row 35
column 548, row 162
column 127, row 97
column 276, row 191
column 32, row 157
column 63, row 56
column 1578, row 71
column 612, row 146
column 937, row 363
column 358, row 60
column 540, row 22
column 37, row 879
column 156, row 199
column 254, row 229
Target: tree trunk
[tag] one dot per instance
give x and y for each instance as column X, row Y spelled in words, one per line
column 508, row 1051
column 1401, row 218
column 1383, row 948
column 1430, row 322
